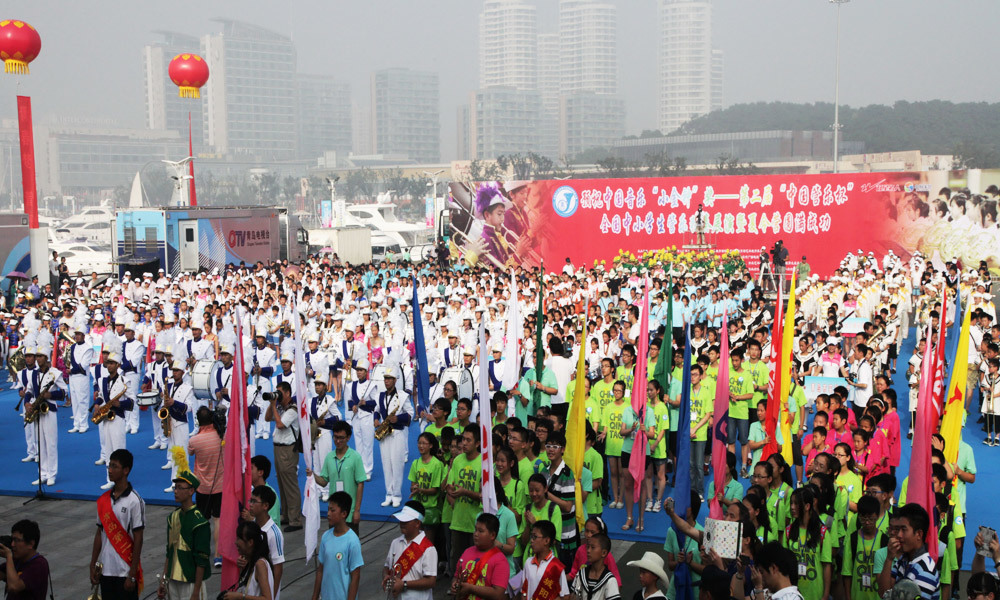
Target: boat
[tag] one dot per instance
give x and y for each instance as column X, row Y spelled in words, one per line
column 83, row 257
column 381, row 218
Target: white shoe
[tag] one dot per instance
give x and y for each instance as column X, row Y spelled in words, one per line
column 163, row 446
column 154, row 446
column 51, row 482
column 167, row 467
column 107, row 486
column 99, row 461
column 265, row 435
column 84, row 430
column 35, row 482
column 386, row 502
column 74, row 430
column 395, row 502
column 325, row 496
column 133, row 431
column 28, row 459
column 169, row 489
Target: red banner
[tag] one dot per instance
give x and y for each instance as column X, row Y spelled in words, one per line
column 822, row 217
column 27, row 160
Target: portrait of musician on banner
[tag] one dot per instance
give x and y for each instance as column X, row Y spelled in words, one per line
column 487, row 225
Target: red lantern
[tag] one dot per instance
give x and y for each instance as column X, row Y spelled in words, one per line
column 188, row 72
column 19, row 45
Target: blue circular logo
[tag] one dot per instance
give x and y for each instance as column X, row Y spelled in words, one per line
column 565, row 201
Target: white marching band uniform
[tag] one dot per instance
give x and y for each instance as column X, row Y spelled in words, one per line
column 133, row 359
column 81, row 357
column 394, row 447
column 112, row 431
column 183, row 396
column 258, row 385
column 47, row 430
column 363, row 395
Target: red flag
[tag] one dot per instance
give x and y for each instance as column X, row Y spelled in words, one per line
column 720, row 416
column 920, row 489
column 774, row 381
column 637, row 464
column 938, row 367
column 236, row 465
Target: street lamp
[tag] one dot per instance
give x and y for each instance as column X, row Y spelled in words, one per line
column 434, row 180
column 836, row 95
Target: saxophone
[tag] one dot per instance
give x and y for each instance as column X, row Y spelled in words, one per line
column 164, row 416
column 385, row 427
column 104, row 412
column 39, row 407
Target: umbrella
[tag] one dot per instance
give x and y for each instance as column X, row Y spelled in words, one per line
column 17, row 275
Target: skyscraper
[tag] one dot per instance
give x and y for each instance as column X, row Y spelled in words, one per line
column 164, row 108
column 406, row 114
column 508, row 46
column 690, row 68
column 504, row 120
column 550, row 88
column 324, row 116
column 588, row 46
column 251, row 97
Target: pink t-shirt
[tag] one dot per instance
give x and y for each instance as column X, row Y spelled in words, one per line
column 890, row 429
column 497, row 569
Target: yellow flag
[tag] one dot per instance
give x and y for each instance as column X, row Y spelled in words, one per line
column 954, row 406
column 576, row 431
column 785, row 370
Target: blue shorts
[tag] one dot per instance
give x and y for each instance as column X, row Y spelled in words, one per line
column 740, row 427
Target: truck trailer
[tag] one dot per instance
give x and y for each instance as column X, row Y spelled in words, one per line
column 189, row 239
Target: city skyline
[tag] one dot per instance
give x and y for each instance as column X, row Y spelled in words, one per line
column 105, row 80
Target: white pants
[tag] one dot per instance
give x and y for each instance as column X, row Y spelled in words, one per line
column 394, row 453
column 178, row 437
column 259, row 426
column 80, row 394
column 321, row 447
column 157, row 425
column 132, row 416
column 48, row 430
column 179, row 590
column 364, row 437
column 30, row 440
column 112, row 436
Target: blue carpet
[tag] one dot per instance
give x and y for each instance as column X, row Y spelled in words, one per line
column 80, row 479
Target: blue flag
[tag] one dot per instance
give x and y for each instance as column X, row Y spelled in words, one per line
column 682, row 480
column 423, row 381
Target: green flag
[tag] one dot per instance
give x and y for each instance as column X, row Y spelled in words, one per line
column 536, row 395
column 665, row 360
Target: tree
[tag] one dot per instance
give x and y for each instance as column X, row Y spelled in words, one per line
column 662, row 164
column 730, row 165
column 974, row 155
column 359, row 184
column 484, row 170
column 617, row 168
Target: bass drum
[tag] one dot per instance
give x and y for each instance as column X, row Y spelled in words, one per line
column 462, row 378
column 202, row 376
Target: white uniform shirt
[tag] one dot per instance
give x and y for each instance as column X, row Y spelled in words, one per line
column 426, row 566
column 130, row 510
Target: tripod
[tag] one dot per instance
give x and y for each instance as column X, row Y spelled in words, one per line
column 40, row 494
column 766, row 275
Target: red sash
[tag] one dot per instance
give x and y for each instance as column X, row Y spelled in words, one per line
column 120, row 539
column 548, row 587
column 410, row 556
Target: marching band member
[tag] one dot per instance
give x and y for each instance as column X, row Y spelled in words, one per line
column 317, row 363
column 323, row 409
column 259, row 370
column 48, row 388
column 394, row 407
column 81, row 358
column 24, row 384
column 113, row 393
column 223, row 376
column 347, row 352
column 133, row 355
column 451, row 356
column 178, row 398
column 362, row 399
column 155, row 379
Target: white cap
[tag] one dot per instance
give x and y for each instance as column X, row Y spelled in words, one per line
column 390, row 372
column 114, row 357
column 179, row 365
column 361, row 363
column 407, row 514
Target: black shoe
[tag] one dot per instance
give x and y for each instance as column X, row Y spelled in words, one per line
column 909, row 436
column 291, row 528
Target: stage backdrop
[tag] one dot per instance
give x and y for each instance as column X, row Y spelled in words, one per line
column 820, row 216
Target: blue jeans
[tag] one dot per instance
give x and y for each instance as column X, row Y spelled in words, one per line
column 697, row 466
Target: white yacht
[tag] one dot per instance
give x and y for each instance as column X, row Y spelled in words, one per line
column 381, row 218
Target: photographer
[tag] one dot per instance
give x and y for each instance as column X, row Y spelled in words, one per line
column 779, row 255
column 206, row 448
column 281, row 410
column 26, row 572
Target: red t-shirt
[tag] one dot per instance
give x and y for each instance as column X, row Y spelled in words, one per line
column 497, row 569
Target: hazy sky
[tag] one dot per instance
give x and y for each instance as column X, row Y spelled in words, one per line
column 90, row 63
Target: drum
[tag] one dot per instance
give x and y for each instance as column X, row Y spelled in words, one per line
column 202, row 376
column 148, row 399
column 462, row 378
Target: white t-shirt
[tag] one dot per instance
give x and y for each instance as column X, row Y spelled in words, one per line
column 562, row 368
column 275, row 548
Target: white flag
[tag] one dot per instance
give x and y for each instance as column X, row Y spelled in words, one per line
column 310, row 502
column 486, row 425
column 511, row 354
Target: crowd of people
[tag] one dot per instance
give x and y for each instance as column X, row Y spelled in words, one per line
column 833, row 521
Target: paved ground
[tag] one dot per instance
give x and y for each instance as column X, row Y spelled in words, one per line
column 68, row 534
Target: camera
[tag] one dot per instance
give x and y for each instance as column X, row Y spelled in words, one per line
column 6, row 540
column 269, row 396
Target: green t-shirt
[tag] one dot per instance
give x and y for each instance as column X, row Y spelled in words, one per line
column 659, row 420
column 674, row 394
column 629, row 419
column 466, row 474
column 275, row 512
column 740, row 383
column 517, row 494
column 859, row 565
column 702, row 403
column 690, row 545
column 602, row 393
column 428, row 475
column 759, row 376
column 593, row 461
column 508, row 529
column 434, row 430
column 344, row 474
column 593, row 410
column 611, row 423
column 851, row 483
column 810, row 559
column 778, row 510
column 733, row 491
column 966, row 462
column 548, row 512
column 525, row 469
column 548, row 380
column 796, row 400
column 626, row 374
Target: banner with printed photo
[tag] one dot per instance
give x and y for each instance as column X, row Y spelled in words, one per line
column 821, row 217
column 814, row 386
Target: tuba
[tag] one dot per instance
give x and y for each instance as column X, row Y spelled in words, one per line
column 15, row 362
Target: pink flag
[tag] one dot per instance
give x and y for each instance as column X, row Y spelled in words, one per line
column 489, row 493
column 637, row 462
column 920, row 489
column 236, row 464
column 720, row 416
column 938, row 368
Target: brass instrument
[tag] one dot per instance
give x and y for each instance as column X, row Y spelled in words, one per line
column 164, row 415
column 390, row 582
column 104, row 412
column 349, row 365
column 385, row 427
column 15, row 362
column 39, row 407
column 68, row 350
column 95, row 594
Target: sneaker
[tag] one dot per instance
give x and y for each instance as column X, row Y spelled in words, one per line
column 396, row 502
column 51, row 481
column 265, row 435
column 649, row 506
column 217, row 563
column 988, row 442
column 744, row 473
column 74, row 430
column 133, row 431
column 36, row 482
column 107, row 486
column 167, row 467
column 657, row 506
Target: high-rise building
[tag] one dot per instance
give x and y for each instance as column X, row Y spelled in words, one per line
column 250, row 96
column 165, row 109
column 550, row 88
column 588, row 46
column 324, row 116
column 507, row 44
column 406, row 114
column 361, row 129
column 690, row 68
column 588, row 120
column 504, row 120
column 463, row 133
